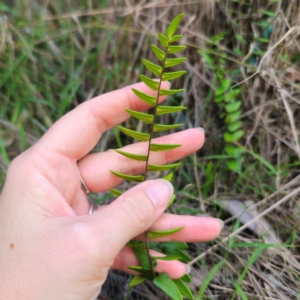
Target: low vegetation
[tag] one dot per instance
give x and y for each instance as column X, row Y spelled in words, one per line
column 242, row 85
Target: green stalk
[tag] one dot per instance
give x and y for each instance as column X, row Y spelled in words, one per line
column 148, row 154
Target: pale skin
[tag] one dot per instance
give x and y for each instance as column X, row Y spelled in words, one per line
column 51, row 248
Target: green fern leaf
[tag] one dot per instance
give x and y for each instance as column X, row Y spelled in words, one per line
column 163, row 147
column 173, row 26
column 160, row 233
column 137, row 280
column 176, row 38
column 162, row 110
column 116, row 193
column 186, row 278
column 152, row 84
column 145, row 273
column 232, row 165
column 136, row 244
column 233, row 137
column 172, row 245
column 231, row 95
column 143, row 258
column 175, row 49
column 160, row 127
column 165, row 283
column 230, row 149
column 231, row 107
column 232, row 117
column 163, row 39
column 136, row 268
column 144, row 137
column 146, row 98
column 221, row 89
column 234, row 126
column 172, row 75
column 137, row 178
column 155, row 69
column 175, row 248
column 158, row 52
column 147, row 118
column 138, row 157
column 171, row 62
column 172, row 200
column 162, row 167
column 183, row 289
column 169, row 92
column 166, row 258
column 169, row 178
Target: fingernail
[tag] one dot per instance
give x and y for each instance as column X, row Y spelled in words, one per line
column 221, row 223
column 160, row 192
column 202, row 129
column 187, row 269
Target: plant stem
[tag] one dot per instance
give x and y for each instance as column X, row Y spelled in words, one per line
column 148, row 154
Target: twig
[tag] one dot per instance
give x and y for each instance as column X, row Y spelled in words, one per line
column 290, row 32
column 274, row 206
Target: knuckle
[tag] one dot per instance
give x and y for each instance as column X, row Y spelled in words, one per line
column 138, row 211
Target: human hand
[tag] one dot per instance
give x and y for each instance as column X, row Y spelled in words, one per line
column 51, row 248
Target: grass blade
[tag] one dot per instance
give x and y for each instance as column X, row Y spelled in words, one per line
column 207, row 280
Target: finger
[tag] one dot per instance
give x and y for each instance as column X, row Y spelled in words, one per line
column 131, row 214
column 79, row 130
column 126, row 258
column 94, row 168
column 196, row 229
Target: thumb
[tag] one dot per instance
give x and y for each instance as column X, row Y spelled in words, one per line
column 133, row 212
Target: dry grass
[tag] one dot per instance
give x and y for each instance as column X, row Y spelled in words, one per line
column 56, row 54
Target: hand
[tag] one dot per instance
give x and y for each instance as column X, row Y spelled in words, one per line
column 51, row 248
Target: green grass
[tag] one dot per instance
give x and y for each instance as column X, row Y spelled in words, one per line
column 50, row 62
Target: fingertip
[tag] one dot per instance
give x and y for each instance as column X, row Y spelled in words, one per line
column 160, row 192
column 221, row 223
column 175, row 269
column 202, row 130
column 166, row 85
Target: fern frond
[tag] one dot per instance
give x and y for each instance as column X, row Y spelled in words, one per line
column 162, row 167
column 147, row 118
column 169, row 92
column 169, row 176
column 163, row 39
column 158, row 52
column 115, row 192
column 144, row 137
column 171, row 62
column 163, row 147
column 172, row 75
column 145, row 97
column 162, row 110
column 175, row 49
column 152, row 84
column 173, row 288
column 160, row 233
column 138, row 157
column 155, row 69
column 137, row 178
column 160, row 127
column 176, row 38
